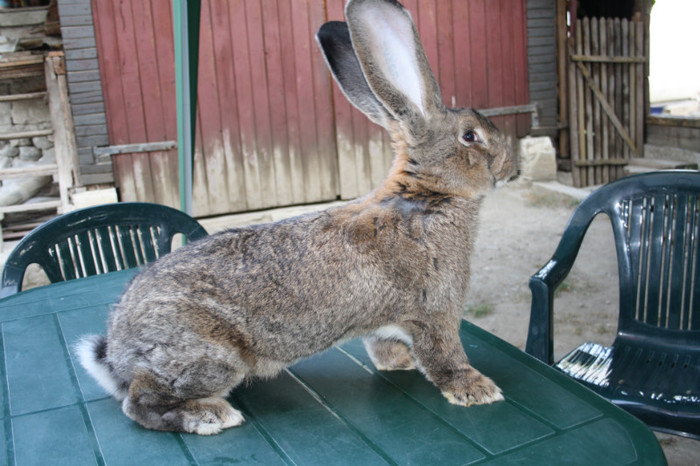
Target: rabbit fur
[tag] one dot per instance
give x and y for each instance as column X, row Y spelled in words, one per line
column 392, row 267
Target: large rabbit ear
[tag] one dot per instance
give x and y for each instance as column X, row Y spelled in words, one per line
column 392, row 58
column 334, row 40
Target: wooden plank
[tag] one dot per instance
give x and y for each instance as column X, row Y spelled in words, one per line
column 166, row 162
column 154, row 117
column 462, row 53
column 223, row 52
column 133, row 148
column 596, row 117
column 446, row 53
column 34, row 170
column 244, row 96
column 426, row 16
column 305, row 95
column 507, row 57
column 479, row 65
column 108, row 53
column 261, row 99
column 581, row 104
column 632, row 124
column 495, row 65
column 63, row 130
column 277, row 99
column 605, row 143
column 289, row 82
column 574, row 136
column 564, row 96
column 595, row 58
column 33, row 207
column 522, row 91
column 18, row 97
column 325, row 140
column 25, row 134
column 673, row 121
column 639, row 79
column 614, row 138
column 618, row 107
column 348, row 179
column 215, row 195
column 588, row 106
column 601, row 162
column 133, row 96
column 625, row 115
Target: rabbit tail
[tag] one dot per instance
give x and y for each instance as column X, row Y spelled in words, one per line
column 92, row 353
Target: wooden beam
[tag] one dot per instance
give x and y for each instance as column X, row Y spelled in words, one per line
column 34, row 170
column 26, row 134
column 601, row 162
column 32, row 207
column 63, row 127
column 135, row 148
column 682, row 122
column 607, row 59
column 514, row 110
column 17, row 97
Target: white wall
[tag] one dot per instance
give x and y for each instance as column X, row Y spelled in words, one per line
column 674, row 50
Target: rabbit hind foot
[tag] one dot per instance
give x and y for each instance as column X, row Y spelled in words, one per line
column 204, row 416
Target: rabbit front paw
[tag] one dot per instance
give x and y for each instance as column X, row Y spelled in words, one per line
column 473, row 388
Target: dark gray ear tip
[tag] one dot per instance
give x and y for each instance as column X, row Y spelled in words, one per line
column 332, row 30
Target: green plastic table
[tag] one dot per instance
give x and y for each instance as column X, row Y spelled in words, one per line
column 333, row 408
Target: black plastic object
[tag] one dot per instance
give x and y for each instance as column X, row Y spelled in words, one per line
column 96, row 240
column 652, row 368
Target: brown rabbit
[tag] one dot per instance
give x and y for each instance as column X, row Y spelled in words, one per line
column 392, row 267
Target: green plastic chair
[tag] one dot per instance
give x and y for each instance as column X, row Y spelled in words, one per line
column 97, row 240
column 652, row 368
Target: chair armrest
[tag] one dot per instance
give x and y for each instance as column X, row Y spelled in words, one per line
column 540, row 336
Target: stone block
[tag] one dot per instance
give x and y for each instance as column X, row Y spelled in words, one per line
column 42, row 142
column 8, row 150
column 21, row 141
column 30, row 112
column 49, row 155
column 5, row 113
column 537, row 159
column 29, row 153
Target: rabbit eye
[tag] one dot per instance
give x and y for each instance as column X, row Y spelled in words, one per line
column 470, row 136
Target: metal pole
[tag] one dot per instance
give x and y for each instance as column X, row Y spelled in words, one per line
column 186, row 15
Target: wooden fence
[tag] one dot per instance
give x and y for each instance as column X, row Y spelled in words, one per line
column 272, row 127
column 606, row 95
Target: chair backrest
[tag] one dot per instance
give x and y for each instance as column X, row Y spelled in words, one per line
column 656, row 223
column 96, row 240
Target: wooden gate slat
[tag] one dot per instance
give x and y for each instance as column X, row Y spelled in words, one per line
column 639, row 76
column 604, row 89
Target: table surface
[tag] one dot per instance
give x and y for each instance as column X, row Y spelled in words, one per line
column 333, row 408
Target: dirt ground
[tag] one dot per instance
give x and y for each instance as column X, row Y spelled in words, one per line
column 520, row 227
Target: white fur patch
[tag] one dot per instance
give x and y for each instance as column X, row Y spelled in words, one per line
column 393, row 332
column 86, row 351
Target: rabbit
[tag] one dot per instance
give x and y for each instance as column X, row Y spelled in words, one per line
column 391, row 267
